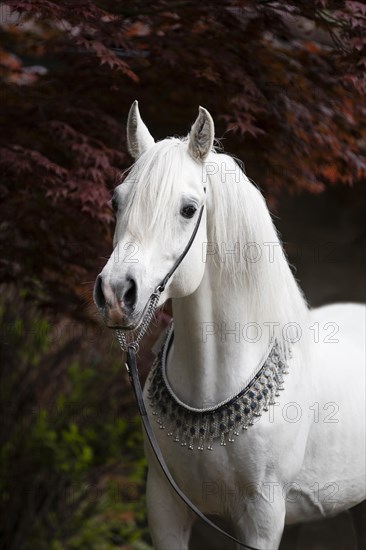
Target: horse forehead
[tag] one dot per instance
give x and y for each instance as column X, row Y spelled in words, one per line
column 192, row 188
column 191, row 181
column 192, row 172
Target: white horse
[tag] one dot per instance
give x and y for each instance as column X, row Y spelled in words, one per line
column 233, row 296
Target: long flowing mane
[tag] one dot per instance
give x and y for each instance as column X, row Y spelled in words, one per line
column 246, row 246
column 248, row 251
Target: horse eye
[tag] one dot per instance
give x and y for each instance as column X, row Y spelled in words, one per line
column 188, row 211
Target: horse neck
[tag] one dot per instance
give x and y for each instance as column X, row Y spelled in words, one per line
column 211, row 359
column 208, row 363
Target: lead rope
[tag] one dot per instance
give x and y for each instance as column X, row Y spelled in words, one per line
column 131, row 366
column 131, row 346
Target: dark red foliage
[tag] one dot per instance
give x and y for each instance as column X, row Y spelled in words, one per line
column 285, row 82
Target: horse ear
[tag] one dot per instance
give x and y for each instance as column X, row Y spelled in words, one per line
column 202, row 135
column 139, row 138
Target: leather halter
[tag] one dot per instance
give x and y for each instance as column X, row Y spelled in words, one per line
column 131, row 366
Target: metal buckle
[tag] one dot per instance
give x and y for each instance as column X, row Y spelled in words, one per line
column 159, row 289
column 134, row 346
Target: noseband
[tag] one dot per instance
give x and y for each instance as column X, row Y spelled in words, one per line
column 131, row 346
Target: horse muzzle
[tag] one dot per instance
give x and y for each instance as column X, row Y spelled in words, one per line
column 116, row 300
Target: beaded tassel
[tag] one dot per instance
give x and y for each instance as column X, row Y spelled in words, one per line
column 193, row 428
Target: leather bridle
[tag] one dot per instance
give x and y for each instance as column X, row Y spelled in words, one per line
column 131, row 347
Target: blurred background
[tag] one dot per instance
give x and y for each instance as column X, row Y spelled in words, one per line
column 285, row 83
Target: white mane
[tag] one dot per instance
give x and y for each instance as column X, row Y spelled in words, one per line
column 237, row 213
column 237, row 217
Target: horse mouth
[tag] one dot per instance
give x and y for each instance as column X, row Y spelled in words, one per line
column 126, row 327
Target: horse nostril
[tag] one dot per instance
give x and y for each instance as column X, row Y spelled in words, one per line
column 130, row 294
column 98, row 293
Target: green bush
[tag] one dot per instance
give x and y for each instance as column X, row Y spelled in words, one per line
column 72, row 468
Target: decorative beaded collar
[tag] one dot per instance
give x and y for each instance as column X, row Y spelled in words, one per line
column 193, row 426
